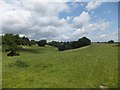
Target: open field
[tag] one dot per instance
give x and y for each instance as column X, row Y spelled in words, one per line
column 49, row 68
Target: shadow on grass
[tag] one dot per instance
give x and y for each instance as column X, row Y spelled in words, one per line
column 39, row 50
column 29, row 50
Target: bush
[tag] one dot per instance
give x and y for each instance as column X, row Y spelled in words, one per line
column 12, row 50
column 61, row 47
column 111, row 41
column 84, row 42
column 20, row 63
column 42, row 43
column 13, row 53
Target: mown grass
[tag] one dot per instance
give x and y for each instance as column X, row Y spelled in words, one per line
column 49, row 68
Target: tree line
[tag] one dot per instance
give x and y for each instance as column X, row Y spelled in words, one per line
column 14, row 43
column 71, row 45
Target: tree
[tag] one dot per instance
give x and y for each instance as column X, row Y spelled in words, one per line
column 54, row 43
column 13, row 53
column 42, row 43
column 84, row 41
column 61, row 47
column 111, row 41
column 25, row 40
column 74, row 44
column 8, row 39
column 11, row 42
column 12, row 50
column 32, row 42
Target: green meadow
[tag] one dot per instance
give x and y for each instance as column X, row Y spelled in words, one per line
column 46, row 67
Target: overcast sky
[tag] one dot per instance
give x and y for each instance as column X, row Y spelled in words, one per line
column 63, row 21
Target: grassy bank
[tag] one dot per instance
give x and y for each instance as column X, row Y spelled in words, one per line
column 47, row 67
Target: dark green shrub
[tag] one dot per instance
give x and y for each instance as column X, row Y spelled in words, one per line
column 111, row 41
column 61, row 47
column 13, row 53
column 42, row 43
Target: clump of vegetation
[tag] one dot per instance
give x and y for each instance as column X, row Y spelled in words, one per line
column 61, row 47
column 20, row 63
column 71, row 45
column 111, row 41
column 12, row 43
column 13, row 53
column 42, row 43
column 12, row 50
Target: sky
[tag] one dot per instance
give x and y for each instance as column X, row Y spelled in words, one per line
column 60, row 21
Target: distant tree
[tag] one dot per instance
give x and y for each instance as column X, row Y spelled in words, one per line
column 12, row 50
column 111, row 41
column 25, row 40
column 11, row 41
column 32, row 42
column 42, row 43
column 54, row 43
column 67, row 45
column 13, row 53
column 74, row 44
column 61, row 47
column 98, row 42
column 84, row 42
column 19, row 41
column 8, row 39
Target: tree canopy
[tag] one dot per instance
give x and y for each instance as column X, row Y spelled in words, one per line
column 14, row 40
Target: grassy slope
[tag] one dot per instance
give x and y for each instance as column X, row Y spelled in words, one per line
column 87, row 67
column 0, row 66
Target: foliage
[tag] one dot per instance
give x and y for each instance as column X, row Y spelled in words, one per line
column 61, row 47
column 32, row 42
column 111, row 41
column 54, row 43
column 71, row 45
column 84, row 42
column 13, row 53
column 42, row 43
column 12, row 41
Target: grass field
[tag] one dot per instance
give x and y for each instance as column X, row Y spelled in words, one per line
column 87, row 67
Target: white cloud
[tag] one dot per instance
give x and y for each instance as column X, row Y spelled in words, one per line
column 81, row 20
column 109, row 36
column 80, row 31
column 93, row 5
column 101, row 25
column 45, row 8
column 35, row 20
column 83, row 25
column 65, row 37
column 39, row 20
column 103, row 36
column 69, row 18
column 87, row 29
